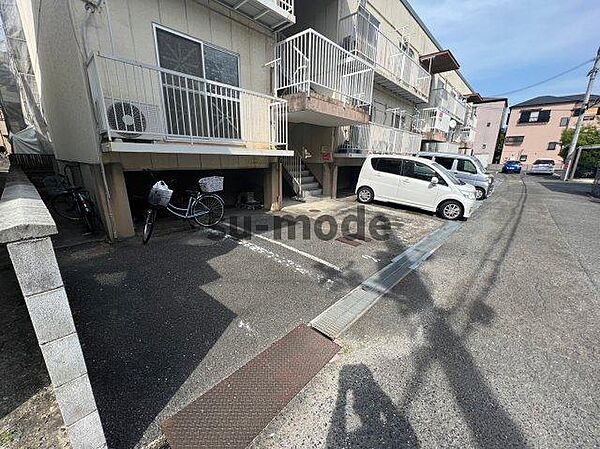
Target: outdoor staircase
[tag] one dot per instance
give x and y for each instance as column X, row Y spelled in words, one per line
column 303, row 181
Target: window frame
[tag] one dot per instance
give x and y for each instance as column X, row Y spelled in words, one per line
column 509, row 142
column 158, row 26
column 566, row 121
column 552, row 146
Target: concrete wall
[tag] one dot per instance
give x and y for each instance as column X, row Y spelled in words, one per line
column 490, row 117
column 537, row 135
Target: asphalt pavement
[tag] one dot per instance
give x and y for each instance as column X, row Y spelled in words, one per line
column 492, row 343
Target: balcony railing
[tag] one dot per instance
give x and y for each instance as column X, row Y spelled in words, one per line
column 140, row 101
column 363, row 38
column 381, row 139
column 308, row 61
column 442, row 98
column 274, row 14
column 435, row 120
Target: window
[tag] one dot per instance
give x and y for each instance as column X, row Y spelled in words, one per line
column 535, row 116
column 552, row 146
column 523, row 157
column 483, row 146
column 194, row 107
column 564, row 121
column 445, row 162
column 514, row 140
column 588, row 117
column 416, row 170
column 466, row 166
column 488, row 124
column 577, row 112
column 387, row 165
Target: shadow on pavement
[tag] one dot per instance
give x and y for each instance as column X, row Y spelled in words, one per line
column 145, row 324
column 381, row 423
column 442, row 342
column 574, row 188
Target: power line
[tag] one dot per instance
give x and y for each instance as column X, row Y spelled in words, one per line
column 544, row 81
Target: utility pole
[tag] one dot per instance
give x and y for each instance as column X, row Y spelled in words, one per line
column 570, row 172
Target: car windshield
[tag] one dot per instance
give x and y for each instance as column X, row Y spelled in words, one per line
column 544, row 161
column 479, row 165
column 448, row 174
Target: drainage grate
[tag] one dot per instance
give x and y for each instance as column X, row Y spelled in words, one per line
column 233, row 412
column 341, row 315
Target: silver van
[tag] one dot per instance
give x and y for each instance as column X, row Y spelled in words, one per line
column 466, row 168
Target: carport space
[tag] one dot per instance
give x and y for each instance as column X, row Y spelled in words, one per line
column 160, row 324
column 236, row 182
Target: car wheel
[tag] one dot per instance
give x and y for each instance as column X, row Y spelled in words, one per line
column 479, row 193
column 451, row 210
column 365, row 195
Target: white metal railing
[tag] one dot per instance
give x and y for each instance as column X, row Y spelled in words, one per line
column 442, row 98
column 308, row 61
column 360, row 36
column 287, row 5
column 294, row 166
column 381, row 139
column 467, row 135
column 140, row 101
column 434, row 120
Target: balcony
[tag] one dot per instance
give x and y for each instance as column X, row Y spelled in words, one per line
column 394, row 68
column 325, row 84
column 466, row 137
column 442, row 98
column 142, row 104
column 435, row 124
column 375, row 138
column 273, row 14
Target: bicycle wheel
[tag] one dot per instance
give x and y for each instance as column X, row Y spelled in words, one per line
column 208, row 210
column 149, row 225
column 65, row 205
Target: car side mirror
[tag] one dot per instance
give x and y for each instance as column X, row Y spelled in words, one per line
column 434, row 181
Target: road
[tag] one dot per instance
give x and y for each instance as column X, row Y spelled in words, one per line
column 493, row 343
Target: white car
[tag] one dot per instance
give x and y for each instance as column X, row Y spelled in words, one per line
column 542, row 167
column 416, row 182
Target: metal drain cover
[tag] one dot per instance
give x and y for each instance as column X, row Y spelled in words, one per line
column 233, row 412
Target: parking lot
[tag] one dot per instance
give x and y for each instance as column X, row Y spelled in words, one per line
column 162, row 323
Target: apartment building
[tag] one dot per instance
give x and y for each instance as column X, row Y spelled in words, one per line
column 394, row 89
column 267, row 93
column 535, row 126
column 162, row 85
column 491, row 114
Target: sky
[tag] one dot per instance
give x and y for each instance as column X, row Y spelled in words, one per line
column 504, row 45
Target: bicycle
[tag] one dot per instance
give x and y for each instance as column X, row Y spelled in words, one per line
column 70, row 202
column 205, row 207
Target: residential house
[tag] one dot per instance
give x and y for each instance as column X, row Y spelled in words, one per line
column 535, row 126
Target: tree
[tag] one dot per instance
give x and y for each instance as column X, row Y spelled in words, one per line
column 590, row 159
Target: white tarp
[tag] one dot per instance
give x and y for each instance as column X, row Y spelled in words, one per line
column 29, row 141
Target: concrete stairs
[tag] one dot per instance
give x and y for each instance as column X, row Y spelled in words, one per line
column 310, row 187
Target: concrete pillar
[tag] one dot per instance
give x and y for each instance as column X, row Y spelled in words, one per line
column 273, row 187
column 122, row 221
column 26, row 226
column 334, row 180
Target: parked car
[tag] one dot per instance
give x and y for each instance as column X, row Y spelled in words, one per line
column 416, row 182
column 511, row 167
column 542, row 167
column 467, row 169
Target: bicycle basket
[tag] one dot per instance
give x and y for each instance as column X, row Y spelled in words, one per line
column 160, row 194
column 211, row 184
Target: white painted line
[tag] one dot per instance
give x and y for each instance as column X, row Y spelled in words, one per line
column 289, row 248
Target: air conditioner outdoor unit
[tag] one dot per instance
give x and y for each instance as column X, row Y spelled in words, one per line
column 132, row 119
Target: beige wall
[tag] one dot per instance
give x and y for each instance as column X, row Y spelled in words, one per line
column 537, row 136
column 489, row 120
column 61, row 53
